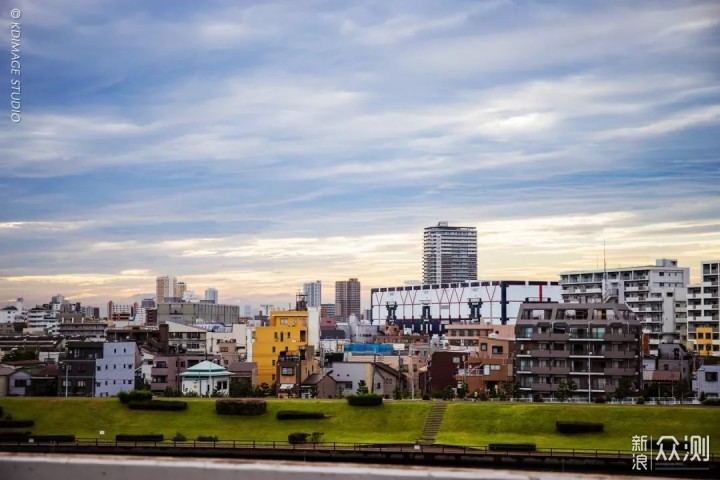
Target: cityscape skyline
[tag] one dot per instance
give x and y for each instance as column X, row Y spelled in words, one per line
column 320, row 140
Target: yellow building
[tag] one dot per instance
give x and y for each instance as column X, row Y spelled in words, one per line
column 287, row 331
column 704, row 340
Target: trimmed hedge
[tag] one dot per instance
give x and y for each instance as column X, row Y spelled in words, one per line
column 579, row 427
column 169, row 405
column 207, row 438
column 135, row 395
column 240, row 406
column 512, row 447
column 1, row 411
column 297, row 415
column 13, row 436
column 365, row 400
column 298, row 437
column 711, row 402
column 16, row 423
column 149, row 437
column 53, row 438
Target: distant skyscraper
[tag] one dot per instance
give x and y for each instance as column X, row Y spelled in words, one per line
column 248, row 310
column 327, row 310
column 449, row 254
column 347, row 298
column 165, row 287
column 180, row 290
column 211, row 294
column 313, row 293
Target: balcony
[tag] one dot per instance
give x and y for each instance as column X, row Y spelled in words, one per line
column 550, row 370
column 620, row 371
column 585, row 371
column 620, row 337
column 586, row 353
column 588, row 337
column 550, row 353
column 549, row 337
column 544, row 387
column 160, row 372
column 619, row 354
column 609, row 388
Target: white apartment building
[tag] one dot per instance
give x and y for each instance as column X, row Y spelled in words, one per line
column 42, row 321
column 211, row 295
column 703, row 314
column 656, row 293
column 449, row 254
column 313, row 293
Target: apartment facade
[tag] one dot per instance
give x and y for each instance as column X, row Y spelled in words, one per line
column 313, row 293
column 287, row 332
column 595, row 345
column 190, row 313
column 347, row 299
column 449, row 254
column 165, row 287
column 656, row 293
column 99, row 369
column 703, row 313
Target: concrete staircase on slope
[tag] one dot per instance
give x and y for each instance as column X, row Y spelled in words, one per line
column 432, row 424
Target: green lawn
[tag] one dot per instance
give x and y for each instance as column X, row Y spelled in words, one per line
column 482, row 423
column 84, row 417
column 464, row 424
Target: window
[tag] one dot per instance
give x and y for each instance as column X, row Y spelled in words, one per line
column 20, row 382
column 494, row 367
column 711, row 376
column 273, row 363
column 497, row 349
column 98, row 368
column 82, row 367
column 81, row 383
column 287, row 371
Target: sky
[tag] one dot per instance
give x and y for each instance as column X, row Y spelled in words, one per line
column 254, row 146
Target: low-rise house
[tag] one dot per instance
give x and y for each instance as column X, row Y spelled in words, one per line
column 99, row 369
column 165, row 370
column 206, row 378
column 318, row 385
column 708, row 381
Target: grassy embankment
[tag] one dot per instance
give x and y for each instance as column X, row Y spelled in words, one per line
column 394, row 422
column 468, row 424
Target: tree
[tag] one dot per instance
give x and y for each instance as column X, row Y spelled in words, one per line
column 314, row 391
column 624, row 388
column 565, row 390
column 683, row 389
column 20, row 355
column 362, row 388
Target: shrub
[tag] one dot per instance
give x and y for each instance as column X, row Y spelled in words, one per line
column 426, row 397
column 207, row 438
column 640, row 401
column 148, row 437
column 599, row 399
column 13, row 436
column 578, row 427
column 298, row 437
column 365, row 400
column 515, row 447
column 16, row 423
column 296, row 415
column 711, row 402
column 316, row 436
column 240, row 406
column 171, row 392
column 136, row 395
column 179, row 437
column 53, row 438
column 169, row 405
column 538, row 398
column 1, row 411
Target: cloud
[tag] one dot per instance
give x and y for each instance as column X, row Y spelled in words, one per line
column 251, row 147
